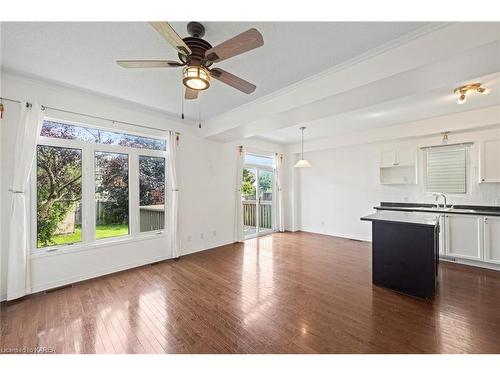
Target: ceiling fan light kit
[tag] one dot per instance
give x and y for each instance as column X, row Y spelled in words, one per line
column 197, row 55
column 465, row 90
column 196, row 78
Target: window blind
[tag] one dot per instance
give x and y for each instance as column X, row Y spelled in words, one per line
column 447, row 169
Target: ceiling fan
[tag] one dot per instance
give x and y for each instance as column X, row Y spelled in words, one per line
column 197, row 55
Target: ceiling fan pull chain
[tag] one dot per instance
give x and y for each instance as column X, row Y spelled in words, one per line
column 182, row 104
column 199, row 113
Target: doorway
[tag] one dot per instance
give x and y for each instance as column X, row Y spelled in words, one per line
column 257, row 196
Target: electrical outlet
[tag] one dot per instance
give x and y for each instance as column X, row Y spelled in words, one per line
column 322, row 223
column 202, row 236
column 189, row 238
column 214, row 233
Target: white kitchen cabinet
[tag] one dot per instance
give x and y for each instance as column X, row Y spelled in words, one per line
column 490, row 161
column 398, row 167
column 388, row 159
column 398, row 158
column 442, row 235
column 492, row 239
column 406, row 157
column 464, row 236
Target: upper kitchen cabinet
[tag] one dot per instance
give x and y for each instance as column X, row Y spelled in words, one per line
column 398, row 167
column 490, row 161
column 398, row 158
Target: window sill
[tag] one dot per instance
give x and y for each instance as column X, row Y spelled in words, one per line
column 81, row 247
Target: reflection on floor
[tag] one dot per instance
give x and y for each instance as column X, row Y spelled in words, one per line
column 283, row 293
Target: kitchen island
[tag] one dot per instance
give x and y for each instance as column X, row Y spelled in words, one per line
column 405, row 251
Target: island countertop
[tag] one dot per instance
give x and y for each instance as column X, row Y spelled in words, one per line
column 417, row 218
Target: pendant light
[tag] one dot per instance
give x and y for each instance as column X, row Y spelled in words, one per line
column 302, row 163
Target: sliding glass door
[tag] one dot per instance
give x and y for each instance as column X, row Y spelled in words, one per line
column 257, row 197
column 265, row 200
column 249, row 197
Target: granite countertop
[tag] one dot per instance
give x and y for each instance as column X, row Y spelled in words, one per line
column 419, row 218
column 426, row 207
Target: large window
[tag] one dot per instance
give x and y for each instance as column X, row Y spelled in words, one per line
column 97, row 185
column 446, row 169
column 151, row 193
column 52, row 129
column 59, row 195
column 111, row 195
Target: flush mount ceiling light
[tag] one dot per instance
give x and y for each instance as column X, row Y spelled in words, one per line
column 445, row 136
column 465, row 90
column 302, row 163
column 196, row 78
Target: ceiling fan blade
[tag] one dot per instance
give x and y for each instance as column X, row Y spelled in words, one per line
column 190, row 94
column 241, row 43
column 171, row 36
column 148, row 63
column 232, row 80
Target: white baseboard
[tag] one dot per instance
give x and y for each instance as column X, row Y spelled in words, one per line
column 62, row 282
column 335, row 234
column 88, row 276
column 213, row 246
column 479, row 264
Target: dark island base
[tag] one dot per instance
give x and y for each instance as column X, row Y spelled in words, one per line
column 405, row 257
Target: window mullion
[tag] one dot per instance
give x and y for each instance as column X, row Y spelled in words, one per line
column 88, row 194
column 134, row 192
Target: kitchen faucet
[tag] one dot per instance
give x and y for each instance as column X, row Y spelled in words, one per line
column 437, row 195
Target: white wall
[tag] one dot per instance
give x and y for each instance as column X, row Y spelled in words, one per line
column 343, row 185
column 207, row 172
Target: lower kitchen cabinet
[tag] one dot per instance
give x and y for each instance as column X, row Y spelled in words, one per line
column 492, row 239
column 464, row 236
column 470, row 237
column 442, row 235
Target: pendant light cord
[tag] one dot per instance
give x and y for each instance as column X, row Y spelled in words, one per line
column 302, row 129
column 302, row 144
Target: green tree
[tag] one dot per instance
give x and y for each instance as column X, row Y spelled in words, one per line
column 265, row 183
column 248, row 187
column 112, row 187
column 151, row 180
column 59, row 174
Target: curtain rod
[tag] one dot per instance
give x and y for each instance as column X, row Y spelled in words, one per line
column 44, row 107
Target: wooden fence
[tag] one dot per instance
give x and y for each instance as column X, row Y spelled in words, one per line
column 152, row 218
column 250, row 214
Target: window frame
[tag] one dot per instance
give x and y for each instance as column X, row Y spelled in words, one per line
column 468, row 149
column 88, row 191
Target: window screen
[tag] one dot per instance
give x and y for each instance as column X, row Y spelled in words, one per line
column 446, row 169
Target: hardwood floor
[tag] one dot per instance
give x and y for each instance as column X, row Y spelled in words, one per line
column 285, row 293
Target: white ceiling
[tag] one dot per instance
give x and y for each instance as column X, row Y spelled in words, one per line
column 410, row 108
column 84, row 54
column 400, row 83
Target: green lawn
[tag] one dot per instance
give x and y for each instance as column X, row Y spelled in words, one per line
column 101, row 231
column 106, row 231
